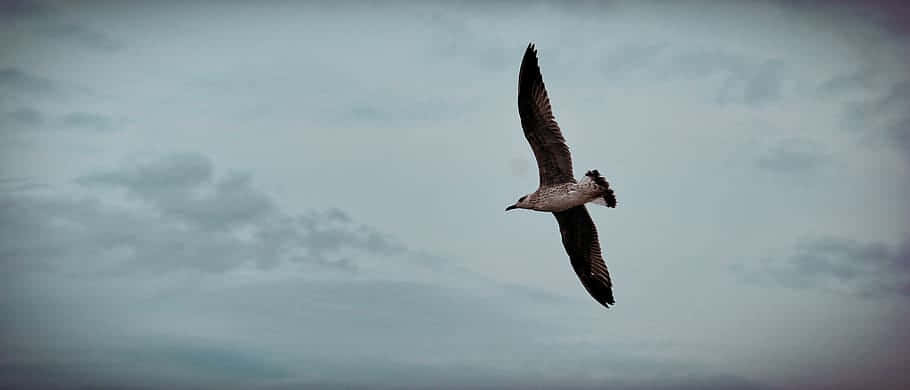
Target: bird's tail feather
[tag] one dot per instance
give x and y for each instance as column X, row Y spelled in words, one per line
column 609, row 198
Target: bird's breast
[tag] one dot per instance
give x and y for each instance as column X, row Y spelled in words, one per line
column 561, row 197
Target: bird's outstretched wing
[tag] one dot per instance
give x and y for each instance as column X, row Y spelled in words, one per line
column 553, row 159
column 579, row 236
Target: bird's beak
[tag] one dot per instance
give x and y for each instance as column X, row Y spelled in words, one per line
column 512, row 207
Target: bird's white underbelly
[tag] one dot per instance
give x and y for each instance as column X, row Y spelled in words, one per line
column 561, row 199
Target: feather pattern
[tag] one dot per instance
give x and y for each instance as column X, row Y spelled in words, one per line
column 579, row 237
column 554, row 162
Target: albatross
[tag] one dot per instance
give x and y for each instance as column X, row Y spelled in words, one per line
column 559, row 192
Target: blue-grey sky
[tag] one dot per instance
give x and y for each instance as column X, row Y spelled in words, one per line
column 285, row 195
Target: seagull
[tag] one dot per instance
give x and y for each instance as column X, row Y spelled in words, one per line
column 558, row 191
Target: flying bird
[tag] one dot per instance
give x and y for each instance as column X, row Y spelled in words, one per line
column 558, row 191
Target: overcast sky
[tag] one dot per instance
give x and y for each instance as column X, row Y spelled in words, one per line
column 303, row 195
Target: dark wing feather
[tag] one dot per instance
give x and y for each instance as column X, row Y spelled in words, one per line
column 553, row 159
column 579, row 236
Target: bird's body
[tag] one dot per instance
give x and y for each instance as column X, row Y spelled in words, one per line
column 564, row 196
column 558, row 191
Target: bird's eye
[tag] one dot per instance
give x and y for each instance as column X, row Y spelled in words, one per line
column 522, row 199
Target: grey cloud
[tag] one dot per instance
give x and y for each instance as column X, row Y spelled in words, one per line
column 16, row 9
column 91, row 259
column 201, row 359
column 746, row 80
column 25, row 116
column 844, row 83
column 335, row 214
column 753, row 84
column 707, row 382
column 414, row 109
column 80, row 35
column 765, row 83
column 47, row 21
column 631, row 57
column 87, row 121
column 899, row 132
column 21, row 119
column 702, row 63
column 867, row 269
column 30, row 119
column 890, row 14
column 173, row 187
column 175, row 173
column 188, row 219
column 792, row 155
column 897, row 99
column 484, row 380
column 162, row 364
column 335, row 333
column 886, row 117
column 14, row 184
column 451, row 37
column 16, row 81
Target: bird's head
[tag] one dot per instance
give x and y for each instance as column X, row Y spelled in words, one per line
column 522, row 203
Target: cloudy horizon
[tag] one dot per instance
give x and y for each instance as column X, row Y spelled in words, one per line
column 304, row 195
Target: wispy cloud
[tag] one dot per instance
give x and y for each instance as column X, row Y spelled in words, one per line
column 45, row 20
column 845, row 83
column 80, row 36
column 737, row 78
column 190, row 219
column 885, row 118
column 867, row 269
column 210, row 284
column 749, row 81
column 14, row 80
column 632, row 57
column 793, row 155
column 17, row 9
column 87, row 121
column 28, row 119
column 20, row 118
column 14, row 184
